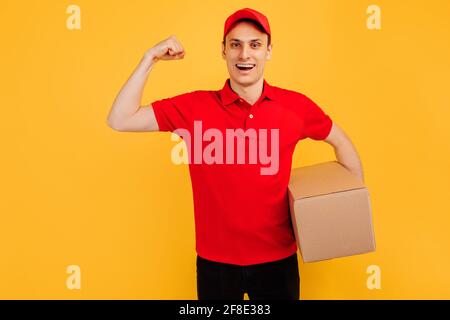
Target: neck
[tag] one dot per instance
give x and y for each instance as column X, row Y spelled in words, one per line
column 249, row 93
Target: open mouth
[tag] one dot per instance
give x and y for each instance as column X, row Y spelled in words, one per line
column 245, row 66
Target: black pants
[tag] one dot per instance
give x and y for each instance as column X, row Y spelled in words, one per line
column 277, row 280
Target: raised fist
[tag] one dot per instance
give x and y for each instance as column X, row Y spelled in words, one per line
column 168, row 49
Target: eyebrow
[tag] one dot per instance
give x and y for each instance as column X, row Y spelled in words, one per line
column 252, row 40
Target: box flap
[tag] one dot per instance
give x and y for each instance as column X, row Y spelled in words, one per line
column 321, row 179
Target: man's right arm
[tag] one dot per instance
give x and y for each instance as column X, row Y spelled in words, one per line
column 126, row 114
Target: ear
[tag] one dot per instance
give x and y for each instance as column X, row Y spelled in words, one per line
column 269, row 52
column 223, row 51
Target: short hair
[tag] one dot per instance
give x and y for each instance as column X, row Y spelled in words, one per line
column 256, row 24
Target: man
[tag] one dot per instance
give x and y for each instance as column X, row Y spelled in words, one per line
column 244, row 237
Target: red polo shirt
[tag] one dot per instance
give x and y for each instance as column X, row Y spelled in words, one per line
column 242, row 216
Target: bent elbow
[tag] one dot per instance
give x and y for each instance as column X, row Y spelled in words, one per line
column 114, row 124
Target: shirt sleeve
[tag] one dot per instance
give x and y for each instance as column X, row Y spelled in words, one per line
column 318, row 124
column 174, row 112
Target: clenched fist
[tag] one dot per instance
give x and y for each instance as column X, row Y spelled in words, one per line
column 168, row 49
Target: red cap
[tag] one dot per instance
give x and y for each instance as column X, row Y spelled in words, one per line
column 246, row 13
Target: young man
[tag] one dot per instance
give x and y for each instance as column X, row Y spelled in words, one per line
column 244, row 237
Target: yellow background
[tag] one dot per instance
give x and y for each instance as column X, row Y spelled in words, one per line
column 75, row 192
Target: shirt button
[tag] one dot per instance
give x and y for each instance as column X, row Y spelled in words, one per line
column 251, row 116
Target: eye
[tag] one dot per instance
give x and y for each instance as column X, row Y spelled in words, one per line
column 234, row 44
column 256, row 45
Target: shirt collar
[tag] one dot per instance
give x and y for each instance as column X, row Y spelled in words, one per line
column 227, row 95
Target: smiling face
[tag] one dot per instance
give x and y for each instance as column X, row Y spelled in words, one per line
column 246, row 51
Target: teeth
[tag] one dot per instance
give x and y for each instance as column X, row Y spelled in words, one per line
column 245, row 65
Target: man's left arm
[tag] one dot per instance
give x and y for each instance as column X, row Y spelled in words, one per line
column 345, row 151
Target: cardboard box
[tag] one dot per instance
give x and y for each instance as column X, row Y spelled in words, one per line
column 330, row 211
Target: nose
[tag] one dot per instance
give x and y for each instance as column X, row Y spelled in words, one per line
column 244, row 52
